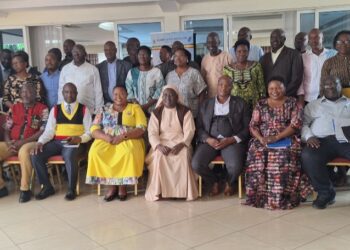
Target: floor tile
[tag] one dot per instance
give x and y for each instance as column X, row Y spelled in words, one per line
column 326, row 243
column 5, row 241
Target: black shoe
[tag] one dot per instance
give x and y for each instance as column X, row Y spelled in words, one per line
column 322, row 202
column 44, row 193
column 4, row 192
column 25, row 196
column 111, row 197
column 70, row 195
column 122, row 197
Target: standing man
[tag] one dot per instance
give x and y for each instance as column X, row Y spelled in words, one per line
column 67, row 48
column 86, row 79
column 255, row 51
column 113, row 71
column 284, row 62
column 67, row 127
column 5, row 67
column 132, row 46
column 213, row 63
column 313, row 61
column 165, row 54
column 300, row 42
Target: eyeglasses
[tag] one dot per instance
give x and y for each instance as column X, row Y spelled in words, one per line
column 340, row 42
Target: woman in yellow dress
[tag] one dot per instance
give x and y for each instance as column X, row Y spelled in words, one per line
column 117, row 155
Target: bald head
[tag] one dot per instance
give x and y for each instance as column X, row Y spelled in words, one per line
column 69, row 92
column 300, row 42
column 316, row 40
column 110, row 50
column 224, row 87
column 213, row 42
column 277, row 39
column 244, row 33
column 79, row 54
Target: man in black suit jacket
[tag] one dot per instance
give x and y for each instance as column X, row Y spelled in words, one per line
column 284, row 62
column 5, row 67
column 112, row 64
column 223, row 128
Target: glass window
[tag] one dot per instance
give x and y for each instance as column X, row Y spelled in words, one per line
column 141, row 31
column 12, row 39
column 307, row 22
column 331, row 23
column 201, row 29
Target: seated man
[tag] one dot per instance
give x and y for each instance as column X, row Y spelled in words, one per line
column 326, row 126
column 68, row 126
column 222, row 127
column 25, row 123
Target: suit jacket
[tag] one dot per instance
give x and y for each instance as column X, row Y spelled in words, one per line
column 239, row 117
column 123, row 68
column 289, row 65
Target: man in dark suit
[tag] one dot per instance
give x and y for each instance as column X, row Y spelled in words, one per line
column 112, row 71
column 5, row 67
column 222, row 126
column 284, row 62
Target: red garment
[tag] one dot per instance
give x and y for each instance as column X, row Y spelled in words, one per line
column 26, row 122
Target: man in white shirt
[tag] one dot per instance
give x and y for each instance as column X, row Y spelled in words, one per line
column 68, row 126
column 255, row 51
column 85, row 77
column 326, row 131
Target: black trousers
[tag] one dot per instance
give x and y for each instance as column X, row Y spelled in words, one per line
column 233, row 155
column 70, row 156
column 314, row 161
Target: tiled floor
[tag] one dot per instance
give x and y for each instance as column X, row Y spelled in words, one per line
column 208, row 223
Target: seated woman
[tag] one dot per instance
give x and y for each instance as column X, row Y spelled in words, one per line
column 171, row 129
column 117, row 155
column 273, row 176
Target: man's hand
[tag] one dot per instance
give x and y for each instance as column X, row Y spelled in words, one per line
column 177, row 148
column 74, row 140
column 213, row 142
column 313, row 142
column 225, row 142
column 38, row 149
column 164, row 149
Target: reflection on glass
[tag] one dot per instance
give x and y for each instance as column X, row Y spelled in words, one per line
column 12, row 39
column 307, row 22
column 331, row 23
column 201, row 29
column 141, row 31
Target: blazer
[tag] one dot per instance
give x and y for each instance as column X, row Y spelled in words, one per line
column 123, row 68
column 239, row 116
column 289, row 65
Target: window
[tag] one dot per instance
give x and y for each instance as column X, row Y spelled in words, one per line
column 201, row 29
column 12, row 39
column 141, row 31
column 307, row 22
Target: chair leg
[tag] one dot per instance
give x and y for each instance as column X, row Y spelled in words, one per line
column 199, row 186
column 240, row 187
column 135, row 189
column 98, row 189
column 13, row 173
column 51, row 176
column 314, row 195
column 78, row 183
column 32, row 181
column 58, row 175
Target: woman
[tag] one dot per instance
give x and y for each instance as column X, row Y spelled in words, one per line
column 171, row 129
column 247, row 76
column 144, row 83
column 188, row 80
column 273, row 176
column 117, row 155
column 14, row 83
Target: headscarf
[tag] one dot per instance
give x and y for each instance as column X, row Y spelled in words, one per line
column 173, row 87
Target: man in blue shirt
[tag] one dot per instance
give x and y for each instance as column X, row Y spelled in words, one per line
column 51, row 76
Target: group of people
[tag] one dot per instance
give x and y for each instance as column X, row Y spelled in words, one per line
column 174, row 118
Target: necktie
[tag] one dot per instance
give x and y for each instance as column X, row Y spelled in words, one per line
column 69, row 110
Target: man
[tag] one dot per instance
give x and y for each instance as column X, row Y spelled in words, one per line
column 132, row 46
column 67, row 48
column 165, row 54
column 326, row 131
column 5, row 67
column 300, row 42
column 112, row 71
column 255, row 52
column 313, row 61
column 51, row 77
column 222, row 127
column 85, row 77
column 25, row 123
column 68, row 126
column 213, row 63
column 284, row 62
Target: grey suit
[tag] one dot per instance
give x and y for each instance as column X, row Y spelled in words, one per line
column 234, row 154
column 123, row 68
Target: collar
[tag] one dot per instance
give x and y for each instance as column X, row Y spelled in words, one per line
column 115, row 61
column 225, row 103
column 54, row 73
column 79, row 65
column 342, row 98
column 278, row 51
column 73, row 104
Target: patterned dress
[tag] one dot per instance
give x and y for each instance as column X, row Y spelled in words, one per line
column 273, row 176
column 247, row 83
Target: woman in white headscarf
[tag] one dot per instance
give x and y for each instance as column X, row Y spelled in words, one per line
column 170, row 131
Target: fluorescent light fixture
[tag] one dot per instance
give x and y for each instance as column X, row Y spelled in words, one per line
column 109, row 26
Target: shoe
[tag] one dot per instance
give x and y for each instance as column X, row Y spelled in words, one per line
column 215, row 190
column 111, row 197
column 25, row 196
column 228, row 190
column 45, row 192
column 122, row 197
column 322, row 202
column 70, row 195
column 4, row 192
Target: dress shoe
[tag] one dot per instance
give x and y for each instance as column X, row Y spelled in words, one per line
column 44, row 193
column 70, row 195
column 4, row 192
column 122, row 197
column 322, row 202
column 25, row 196
column 111, row 197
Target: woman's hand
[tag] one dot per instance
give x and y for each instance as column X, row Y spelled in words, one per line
column 269, row 139
column 164, row 149
column 177, row 148
column 117, row 139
